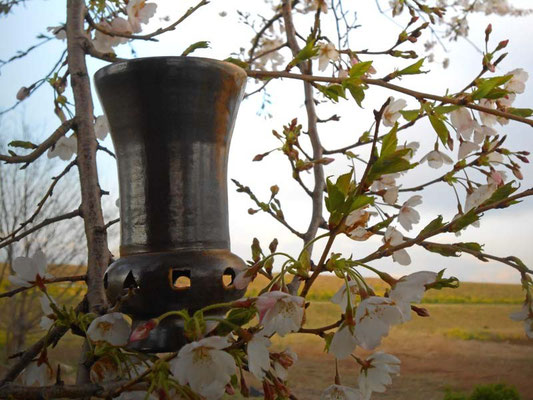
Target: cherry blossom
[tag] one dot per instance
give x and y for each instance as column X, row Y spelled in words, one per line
column 38, row 373
column 507, row 100
column 243, row 279
column 326, row 52
column 343, row 343
column 410, row 289
column 517, row 84
column 377, row 375
column 105, row 43
column 356, row 223
column 465, row 148
column 526, row 315
column 280, row 312
column 101, row 127
column 59, row 32
column 393, row 237
column 258, row 356
column 392, row 111
column 408, row 215
column 373, row 319
column 436, row 159
column 482, row 131
column 283, row 361
column 339, row 392
column 341, row 297
column 481, row 194
column 104, row 370
column 111, row 328
column 463, row 122
column 139, row 12
column 64, row 148
column 46, row 322
column 205, row 366
column 387, row 183
column 270, row 54
column 28, row 270
column 412, row 147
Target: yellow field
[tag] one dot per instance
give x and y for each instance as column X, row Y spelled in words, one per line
column 471, row 293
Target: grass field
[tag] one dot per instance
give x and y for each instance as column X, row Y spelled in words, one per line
column 468, row 340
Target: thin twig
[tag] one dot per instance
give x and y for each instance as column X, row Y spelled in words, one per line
column 40, row 149
column 75, row 278
column 46, row 222
column 42, row 202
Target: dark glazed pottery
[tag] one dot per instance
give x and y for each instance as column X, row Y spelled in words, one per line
column 171, row 120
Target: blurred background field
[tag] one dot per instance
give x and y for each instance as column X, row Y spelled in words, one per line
column 468, row 340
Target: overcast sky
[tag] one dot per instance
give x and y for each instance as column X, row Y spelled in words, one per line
column 506, row 232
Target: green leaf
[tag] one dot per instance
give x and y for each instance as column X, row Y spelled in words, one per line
column 432, row 226
column 335, row 199
column 502, row 193
column 195, row 46
column 389, row 142
column 445, row 109
column 469, row 246
column 412, row 69
column 22, row 144
column 462, row 222
column 360, row 69
column 485, row 86
column 332, row 92
column 344, row 182
column 410, row 115
column 360, row 201
column 381, row 225
column 521, row 112
column 237, row 316
column 237, row 62
column 389, row 165
column 443, row 250
column 356, row 90
column 307, row 52
column 440, row 128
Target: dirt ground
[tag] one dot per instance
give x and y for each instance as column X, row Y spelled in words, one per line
column 429, row 365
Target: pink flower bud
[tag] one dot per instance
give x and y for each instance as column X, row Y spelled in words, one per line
column 23, row 93
column 143, row 330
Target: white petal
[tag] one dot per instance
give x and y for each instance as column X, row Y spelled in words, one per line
column 343, row 343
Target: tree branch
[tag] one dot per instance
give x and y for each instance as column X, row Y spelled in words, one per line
column 149, row 36
column 48, row 221
column 41, row 203
column 75, row 278
column 396, row 88
column 39, row 150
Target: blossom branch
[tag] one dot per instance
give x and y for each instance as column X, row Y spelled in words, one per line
column 75, row 278
column 396, row 88
column 149, row 36
column 511, row 261
column 380, row 253
column 40, row 149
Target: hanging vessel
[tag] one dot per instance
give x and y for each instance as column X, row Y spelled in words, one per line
column 171, row 120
